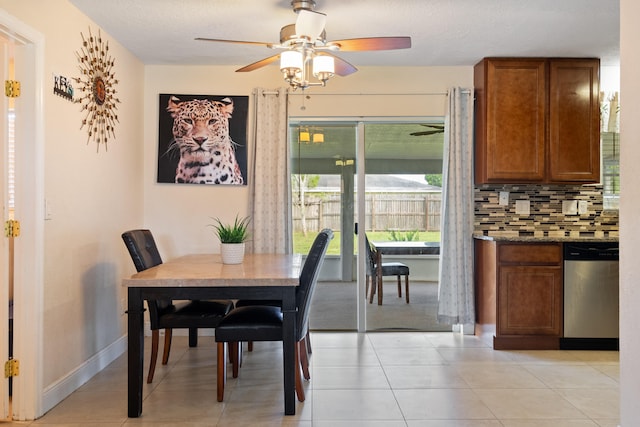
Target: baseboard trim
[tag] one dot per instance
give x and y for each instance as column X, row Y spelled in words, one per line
column 59, row 390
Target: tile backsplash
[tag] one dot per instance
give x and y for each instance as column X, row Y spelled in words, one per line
column 543, row 215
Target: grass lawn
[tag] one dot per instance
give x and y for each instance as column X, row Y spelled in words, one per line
column 301, row 243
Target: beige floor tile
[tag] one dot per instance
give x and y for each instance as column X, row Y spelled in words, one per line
column 495, row 376
column 454, row 423
column 442, row 404
column 549, row 423
column 413, row 377
column 596, row 403
column 571, row 376
column 533, row 404
column 345, row 357
column 345, row 405
column 474, row 355
column 398, row 340
column 411, row 356
column 354, row 377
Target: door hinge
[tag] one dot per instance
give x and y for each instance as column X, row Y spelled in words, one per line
column 12, row 88
column 12, row 228
column 11, row 368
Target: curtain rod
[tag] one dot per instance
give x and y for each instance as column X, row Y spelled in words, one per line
column 466, row 92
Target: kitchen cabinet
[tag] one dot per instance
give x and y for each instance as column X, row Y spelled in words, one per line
column 519, row 293
column 537, row 120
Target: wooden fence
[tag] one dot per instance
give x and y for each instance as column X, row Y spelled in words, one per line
column 385, row 211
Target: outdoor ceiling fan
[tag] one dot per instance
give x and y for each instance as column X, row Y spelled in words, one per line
column 435, row 129
column 306, row 52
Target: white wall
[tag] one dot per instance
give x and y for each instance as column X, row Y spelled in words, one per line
column 179, row 214
column 629, row 207
column 93, row 197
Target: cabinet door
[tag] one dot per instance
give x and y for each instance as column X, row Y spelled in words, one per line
column 511, row 147
column 530, row 300
column 574, row 121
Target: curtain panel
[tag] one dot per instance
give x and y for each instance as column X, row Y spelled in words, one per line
column 270, row 200
column 456, row 303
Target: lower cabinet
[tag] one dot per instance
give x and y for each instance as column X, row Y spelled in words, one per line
column 519, row 293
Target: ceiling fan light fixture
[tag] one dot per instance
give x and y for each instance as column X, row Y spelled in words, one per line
column 324, row 67
column 318, row 138
column 305, row 137
column 291, row 61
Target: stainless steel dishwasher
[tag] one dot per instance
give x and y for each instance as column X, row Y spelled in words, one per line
column 591, row 296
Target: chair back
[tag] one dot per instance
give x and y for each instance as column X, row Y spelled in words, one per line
column 371, row 258
column 309, row 278
column 144, row 253
column 142, row 248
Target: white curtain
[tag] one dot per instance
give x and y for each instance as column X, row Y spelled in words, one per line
column 455, row 290
column 270, row 190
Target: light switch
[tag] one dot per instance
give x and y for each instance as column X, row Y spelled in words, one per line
column 583, row 207
column 523, row 207
column 504, row 198
column 570, row 207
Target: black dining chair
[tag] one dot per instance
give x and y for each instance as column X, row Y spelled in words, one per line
column 264, row 322
column 387, row 269
column 168, row 314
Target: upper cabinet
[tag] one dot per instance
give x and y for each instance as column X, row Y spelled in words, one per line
column 537, row 120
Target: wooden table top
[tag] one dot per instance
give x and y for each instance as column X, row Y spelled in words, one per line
column 208, row 270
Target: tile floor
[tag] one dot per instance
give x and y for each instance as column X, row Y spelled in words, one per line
column 376, row 379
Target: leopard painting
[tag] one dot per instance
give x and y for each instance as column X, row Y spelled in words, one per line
column 201, row 134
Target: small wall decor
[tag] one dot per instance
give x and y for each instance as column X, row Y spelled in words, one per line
column 97, row 83
column 202, row 139
column 62, row 87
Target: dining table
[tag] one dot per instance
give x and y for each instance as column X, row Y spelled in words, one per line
column 401, row 248
column 204, row 276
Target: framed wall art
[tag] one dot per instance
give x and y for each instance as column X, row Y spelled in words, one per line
column 202, row 139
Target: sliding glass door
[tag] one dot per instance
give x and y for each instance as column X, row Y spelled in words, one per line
column 394, row 194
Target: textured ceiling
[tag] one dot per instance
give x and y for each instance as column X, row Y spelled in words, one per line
column 443, row 32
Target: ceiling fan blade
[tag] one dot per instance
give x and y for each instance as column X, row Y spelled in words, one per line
column 426, row 132
column 373, row 43
column 310, row 23
column 258, row 64
column 269, row 45
column 342, row 67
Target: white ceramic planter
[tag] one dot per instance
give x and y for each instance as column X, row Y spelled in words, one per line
column 232, row 253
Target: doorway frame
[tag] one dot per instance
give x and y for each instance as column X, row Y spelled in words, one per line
column 29, row 247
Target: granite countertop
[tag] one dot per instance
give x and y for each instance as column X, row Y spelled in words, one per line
column 550, row 236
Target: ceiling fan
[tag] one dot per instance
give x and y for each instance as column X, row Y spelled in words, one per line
column 305, row 50
column 435, row 129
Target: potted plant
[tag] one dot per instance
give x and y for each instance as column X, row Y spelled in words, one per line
column 232, row 238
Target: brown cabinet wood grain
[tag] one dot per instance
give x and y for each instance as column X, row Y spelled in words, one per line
column 537, row 120
column 519, row 293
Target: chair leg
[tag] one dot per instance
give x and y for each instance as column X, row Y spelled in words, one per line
column 250, row 346
column 308, row 338
column 155, row 337
column 399, row 288
column 168, row 333
column 304, row 358
column 234, row 355
column 193, row 337
column 406, row 281
column 372, row 287
column 298, row 377
column 222, row 369
column 380, row 291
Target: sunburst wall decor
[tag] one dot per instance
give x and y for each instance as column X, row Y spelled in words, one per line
column 97, row 85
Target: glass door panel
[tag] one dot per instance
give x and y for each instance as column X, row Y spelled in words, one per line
column 323, row 165
column 403, row 168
